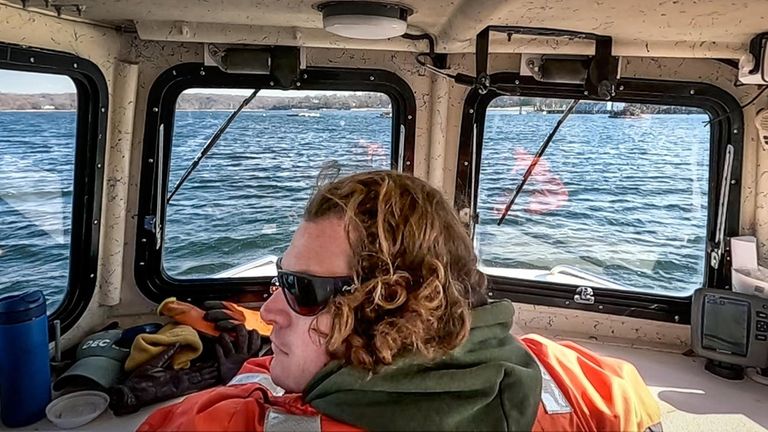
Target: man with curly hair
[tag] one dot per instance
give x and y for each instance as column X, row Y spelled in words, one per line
column 380, row 321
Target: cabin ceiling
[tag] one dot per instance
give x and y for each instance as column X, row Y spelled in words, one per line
column 455, row 23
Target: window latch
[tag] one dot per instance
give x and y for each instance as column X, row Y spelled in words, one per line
column 584, row 295
column 149, row 224
column 152, row 225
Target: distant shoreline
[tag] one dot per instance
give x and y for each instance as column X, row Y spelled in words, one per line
column 501, row 109
column 230, row 110
column 38, row 110
column 206, row 101
column 291, row 109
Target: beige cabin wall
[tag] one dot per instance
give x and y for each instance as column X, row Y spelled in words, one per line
column 612, row 329
column 658, row 28
column 97, row 43
column 151, row 58
column 755, row 191
column 446, row 109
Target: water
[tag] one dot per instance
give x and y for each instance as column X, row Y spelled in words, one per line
column 36, row 171
column 633, row 210
column 244, row 201
column 625, row 199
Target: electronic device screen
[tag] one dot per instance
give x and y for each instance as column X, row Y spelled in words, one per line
column 726, row 325
column 730, row 327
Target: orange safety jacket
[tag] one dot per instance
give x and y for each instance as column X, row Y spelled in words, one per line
column 250, row 402
column 581, row 391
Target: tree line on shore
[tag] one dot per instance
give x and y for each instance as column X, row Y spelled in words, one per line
column 206, row 101
column 203, row 101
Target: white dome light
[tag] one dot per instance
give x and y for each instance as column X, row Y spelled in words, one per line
column 364, row 20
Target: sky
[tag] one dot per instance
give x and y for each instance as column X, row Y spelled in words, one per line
column 28, row 83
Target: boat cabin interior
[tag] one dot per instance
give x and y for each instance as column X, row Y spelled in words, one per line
column 607, row 157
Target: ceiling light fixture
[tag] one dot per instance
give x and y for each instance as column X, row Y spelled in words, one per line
column 363, row 19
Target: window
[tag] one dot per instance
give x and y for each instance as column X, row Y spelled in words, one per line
column 244, row 201
column 223, row 228
column 53, row 116
column 38, row 122
column 619, row 199
column 628, row 207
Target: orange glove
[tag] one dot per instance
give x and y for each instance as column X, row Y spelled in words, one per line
column 227, row 315
column 188, row 314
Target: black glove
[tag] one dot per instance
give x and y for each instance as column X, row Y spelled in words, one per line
column 153, row 382
column 222, row 314
column 232, row 356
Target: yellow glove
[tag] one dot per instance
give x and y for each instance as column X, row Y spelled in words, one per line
column 146, row 346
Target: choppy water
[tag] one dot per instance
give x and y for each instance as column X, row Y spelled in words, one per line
column 245, row 199
column 36, row 170
column 625, row 199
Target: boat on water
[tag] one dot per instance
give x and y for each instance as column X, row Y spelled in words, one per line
column 626, row 113
column 541, row 109
column 620, row 115
column 113, row 219
column 304, row 114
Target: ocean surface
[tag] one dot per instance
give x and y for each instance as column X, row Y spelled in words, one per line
column 624, row 199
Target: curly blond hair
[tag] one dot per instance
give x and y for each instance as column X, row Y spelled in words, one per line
column 414, row 268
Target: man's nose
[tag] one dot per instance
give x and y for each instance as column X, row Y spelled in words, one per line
column 275, row 310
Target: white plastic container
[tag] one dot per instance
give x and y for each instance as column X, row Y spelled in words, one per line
column 744, row 252
column 752, row 281
column 76, row 409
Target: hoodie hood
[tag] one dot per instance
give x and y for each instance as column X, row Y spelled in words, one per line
column 491, row 382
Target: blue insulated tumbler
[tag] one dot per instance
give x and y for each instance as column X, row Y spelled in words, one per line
column 25, row 374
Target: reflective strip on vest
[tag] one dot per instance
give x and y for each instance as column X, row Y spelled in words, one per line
column 279, row 421
column 552, row 397
column 258, row 378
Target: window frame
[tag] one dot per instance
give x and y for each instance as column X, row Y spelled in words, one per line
column 88, row 172
column 149, row 274
column 729, row 130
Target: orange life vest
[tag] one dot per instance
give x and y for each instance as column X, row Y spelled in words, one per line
column 581, row 391
column 250, row 402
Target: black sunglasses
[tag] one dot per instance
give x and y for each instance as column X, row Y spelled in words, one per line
column 308, row 295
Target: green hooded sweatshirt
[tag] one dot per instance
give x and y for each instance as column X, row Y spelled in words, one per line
column 491, row 382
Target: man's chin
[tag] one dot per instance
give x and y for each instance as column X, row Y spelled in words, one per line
column 278, row 376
